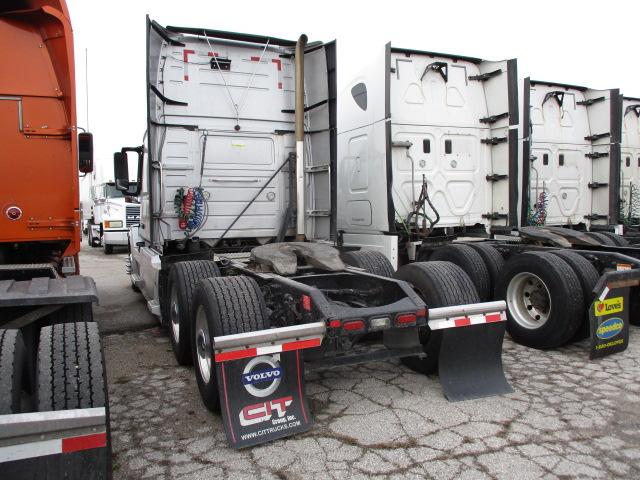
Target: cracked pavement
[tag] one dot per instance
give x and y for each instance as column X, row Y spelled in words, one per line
column 568, row 417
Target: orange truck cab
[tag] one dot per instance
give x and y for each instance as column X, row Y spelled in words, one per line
column 53, row 401
column 39, row 198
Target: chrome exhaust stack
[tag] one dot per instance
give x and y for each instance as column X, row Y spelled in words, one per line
column 299, row 132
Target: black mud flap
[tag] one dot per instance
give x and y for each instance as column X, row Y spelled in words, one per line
column 262, row 398
column 609, row 313
column 470, row 362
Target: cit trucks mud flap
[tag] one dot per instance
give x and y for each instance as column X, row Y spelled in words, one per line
column 261, row 382
column 70, row 444
column 609, row 312
column 470, row 359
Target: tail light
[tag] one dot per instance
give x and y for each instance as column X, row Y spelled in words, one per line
column 405, row 319
column 306, row 303
column 353, row 325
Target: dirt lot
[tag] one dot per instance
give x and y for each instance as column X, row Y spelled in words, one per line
column 568, row 417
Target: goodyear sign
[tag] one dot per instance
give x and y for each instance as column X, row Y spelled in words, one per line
column 609, row 323
column 609, row 306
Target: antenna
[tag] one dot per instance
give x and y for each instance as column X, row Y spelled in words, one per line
column 86, row 82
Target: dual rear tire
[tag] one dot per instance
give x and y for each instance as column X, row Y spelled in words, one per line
column 69, row 369
column 222, row 306
column 548, row 294
column 439, row 284
column 545, row 295
column 184, row 278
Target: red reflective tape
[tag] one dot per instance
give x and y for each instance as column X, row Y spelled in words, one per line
column 212, row 54
column 186, row 53
column 279, row 85
column 278, row 63
column 85, row 442
column 255, row 59
column 235, row 355
column 334, row 323
column 299, row 345
column 185, row 57
column 493, row 317
column 462, row 322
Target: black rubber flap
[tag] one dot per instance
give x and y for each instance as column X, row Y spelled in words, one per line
column 262, row 398
column 470, row 364
column 609, row 322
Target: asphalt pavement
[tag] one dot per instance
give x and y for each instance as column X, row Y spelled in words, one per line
column 567, row 418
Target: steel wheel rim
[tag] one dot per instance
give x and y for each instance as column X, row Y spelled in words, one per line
column 174, row 314
column 203, row 345
column 528, row 300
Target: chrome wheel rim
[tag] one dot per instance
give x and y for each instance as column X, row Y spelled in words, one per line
column 203, row 345
column 528, row 300
column 174, row 313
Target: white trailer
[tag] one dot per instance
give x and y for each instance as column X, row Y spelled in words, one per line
column 112, row 214
column 571, row 156
column 630, row 165
column 239, row 160
column 447, row 119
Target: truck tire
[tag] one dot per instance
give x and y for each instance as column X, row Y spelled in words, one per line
column 108, row 249
column 588, row 277
column 470, row 262
column 492, row 260
column 183, row 280
column 619, row 240
column 222, row 306
column 439, row 284
column 12, row 371
column 371, row 261
column 545, row 304
column 600, row 237
column 70, row 368
column 77, row 312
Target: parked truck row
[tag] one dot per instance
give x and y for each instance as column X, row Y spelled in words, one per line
column 283, row 227
column 278, row 216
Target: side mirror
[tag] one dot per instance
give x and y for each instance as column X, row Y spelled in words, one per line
column 85, row 152
column 121, row 171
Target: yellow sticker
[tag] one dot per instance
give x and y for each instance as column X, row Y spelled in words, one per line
column 237, row 145
column 610, row 305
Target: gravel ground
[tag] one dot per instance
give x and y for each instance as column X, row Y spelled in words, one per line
column 568, row 417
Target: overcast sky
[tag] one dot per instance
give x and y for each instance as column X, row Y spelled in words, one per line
column 591, row 43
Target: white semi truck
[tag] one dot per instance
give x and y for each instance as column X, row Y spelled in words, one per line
column 571, row 157
column 431, row 167
column 112, row 214
column 234, row 250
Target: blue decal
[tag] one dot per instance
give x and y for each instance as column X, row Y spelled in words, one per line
column 260, row 376
column 610, row 328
